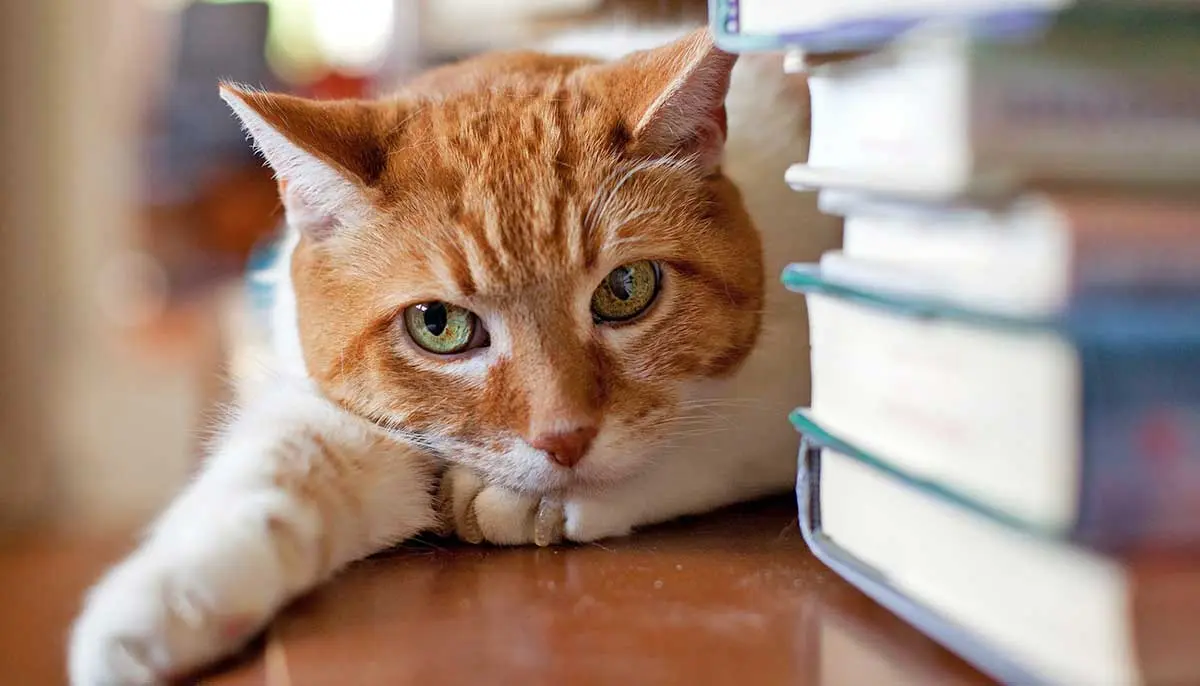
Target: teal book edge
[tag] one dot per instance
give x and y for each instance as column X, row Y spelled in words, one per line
column 803, row 422
column 723, row 23
column 875, row 585
column 809, row 278
column 1153, row 319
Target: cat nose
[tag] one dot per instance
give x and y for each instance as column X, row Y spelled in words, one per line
column 566, row 448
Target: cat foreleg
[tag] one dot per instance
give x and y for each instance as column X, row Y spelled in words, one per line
column 294, row 490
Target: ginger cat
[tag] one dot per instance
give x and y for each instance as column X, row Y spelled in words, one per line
column 523, row 300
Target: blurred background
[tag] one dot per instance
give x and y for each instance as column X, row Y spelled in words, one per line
column 131, row 204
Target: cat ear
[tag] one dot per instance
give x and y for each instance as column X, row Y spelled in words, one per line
column 327, row 155
column 674, row 97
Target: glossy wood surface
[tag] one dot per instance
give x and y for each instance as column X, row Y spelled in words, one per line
column 730, row 598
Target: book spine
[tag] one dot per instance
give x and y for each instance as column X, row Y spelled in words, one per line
column 878, row 128
column 1140, row 483
column 955, row 118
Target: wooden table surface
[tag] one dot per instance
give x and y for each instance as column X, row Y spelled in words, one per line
column 733, row 597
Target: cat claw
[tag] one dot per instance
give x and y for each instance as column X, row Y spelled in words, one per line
column 548, row 523
column 468, row 527
column 444, row 505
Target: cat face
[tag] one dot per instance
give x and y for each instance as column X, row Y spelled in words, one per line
column 522, row 261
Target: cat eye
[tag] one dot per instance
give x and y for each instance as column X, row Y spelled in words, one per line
column 626, row 292
column 444, row 329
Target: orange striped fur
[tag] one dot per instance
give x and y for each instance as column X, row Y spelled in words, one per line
column 511, row 185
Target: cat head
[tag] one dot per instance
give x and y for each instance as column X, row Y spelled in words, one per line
column 520, row 261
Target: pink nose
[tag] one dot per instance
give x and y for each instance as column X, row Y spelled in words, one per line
column 566, row 448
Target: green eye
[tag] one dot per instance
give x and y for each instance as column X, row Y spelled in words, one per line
column 626, row 292
column 443, row 329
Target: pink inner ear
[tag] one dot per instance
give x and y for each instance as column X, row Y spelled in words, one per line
column 322, row 227
column 706, row 140
column 305, row 216
column 688, row 116
column 708, row 145
column 710, row 138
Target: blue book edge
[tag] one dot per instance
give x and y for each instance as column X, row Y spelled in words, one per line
column 875, row 585
column 864, row 34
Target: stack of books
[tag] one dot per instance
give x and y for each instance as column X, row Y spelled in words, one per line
column 1003, row 442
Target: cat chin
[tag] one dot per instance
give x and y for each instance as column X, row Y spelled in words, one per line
column 526, row 470
column 562, row 485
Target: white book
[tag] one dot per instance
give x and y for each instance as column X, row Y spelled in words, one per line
column 991, row 414
column 1063, row 613
column 937, row 115
column 1030, row 257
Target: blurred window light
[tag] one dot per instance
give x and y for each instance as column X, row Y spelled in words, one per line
column 308, row 38
column 353, row 35
column 511, row 9
column 291, row 46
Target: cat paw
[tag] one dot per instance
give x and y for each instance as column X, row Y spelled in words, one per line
column 476, row 512
column 587, row 519
column 153, row 619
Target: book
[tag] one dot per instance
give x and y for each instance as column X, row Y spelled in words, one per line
column 938, row 115
column 1028, row 257
column 1003, row 442
column 829, row 25
column 1085, row 425
column 1022, row 608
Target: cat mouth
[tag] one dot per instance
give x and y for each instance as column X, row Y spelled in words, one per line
column 556, row 482
column 541, row 477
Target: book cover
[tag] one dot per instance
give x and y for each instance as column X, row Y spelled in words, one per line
column 1030, row 255
column 1146, row 601
column 958, row 639
column 1137, row 461
column 940, row 114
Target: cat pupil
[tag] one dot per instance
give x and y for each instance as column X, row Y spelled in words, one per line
column 435, row 318
column 620, row 282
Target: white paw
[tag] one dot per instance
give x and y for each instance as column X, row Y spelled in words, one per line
column 159, row 616
column 477, row 513
column 588, row 519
